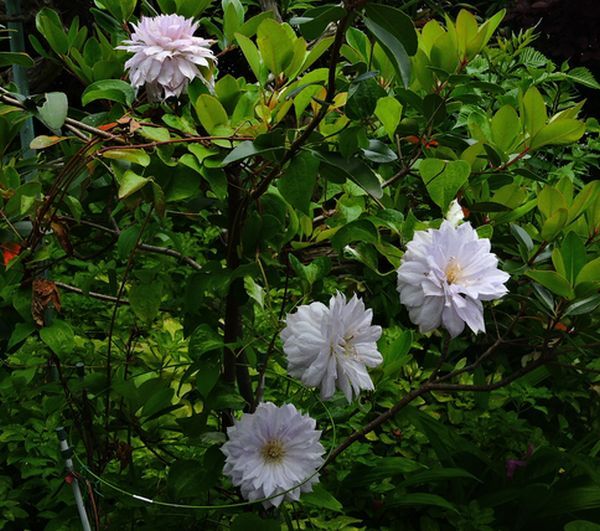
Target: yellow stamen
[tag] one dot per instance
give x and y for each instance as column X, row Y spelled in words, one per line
column 273, row 451
column 453, row 272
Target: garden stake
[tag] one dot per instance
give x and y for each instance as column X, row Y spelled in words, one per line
column 67, row 453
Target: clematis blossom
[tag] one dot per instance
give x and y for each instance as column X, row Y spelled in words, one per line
column 332, row 346
column 167, row 56
column 445, row 275
column 271, row 451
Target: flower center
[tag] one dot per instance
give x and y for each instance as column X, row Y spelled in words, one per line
column 273, row 451
column 453, row 271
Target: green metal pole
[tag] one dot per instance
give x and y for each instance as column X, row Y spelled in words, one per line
column 17, row 44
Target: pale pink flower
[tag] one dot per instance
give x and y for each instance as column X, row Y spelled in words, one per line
column 167, row 56
column 271, row 451
column 444, row 276
column 329, row 347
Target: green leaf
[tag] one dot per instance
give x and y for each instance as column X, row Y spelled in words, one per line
column 583, row 306
column 208, row 376
column 16, row 58
column 252, row 55
column 211, row 112
column 419, row 498
column 573, row 255
column 443, row 179
column 233, row 18
column 564, row 131
column 130, row 182
column 554, row 224
column 254, row 291
column 590, row 272
column 145, row 300
column 321, row 499
column 550, row 200
column 438, row 474
column 389, row 112
column 434, row 109
column 363, row 95
column 360, row 230
column 109, row 89
column 522, row 237
column 353, row 169
column 534, row 111
column 377, row 151
column 120, row 9
column 396, row 23
column 266, row 143
column 126, row 241
column 381, row 468
column 393, row 49
column 553, row 281
column 249, row 28
column 185, row 8
column 505, row 128
column 158, row 396
column 275, row 46
column 44, row 141
column 314, row 21
column 583, row 76
column 313, row 272
column 59, row 337
column 48, row 23
column 204, row 339
column 298, row 181
column 136, row 156
column 582, row 525
column 54, row 110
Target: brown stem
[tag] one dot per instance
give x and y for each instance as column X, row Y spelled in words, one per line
column 314, row 123
column 424, row 389
column 142, row 246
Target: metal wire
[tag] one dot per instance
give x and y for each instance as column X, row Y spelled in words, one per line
column 153, row 501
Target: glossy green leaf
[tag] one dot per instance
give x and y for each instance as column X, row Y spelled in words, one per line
column 251, row 54
column 553, row 281
column 211, row 112
column 534, row 111
column 554, row 224
column 396, row 23
column 590, row 272
column 363, row 95
column 420, row 498
column 15, row 58
column 136, row 156
column 443, row 179
column 573, row 255
column 393, row 48
column 379, row 152
column 359, row 230
column 354, row 170
column 298, row 181
column 109, row 89
column 53, row 111
column 564, row 131
column 321, row 499
column 505, row 127
column 389, row 112
column 550, row 200
column 130, row 182
column 275, row 46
